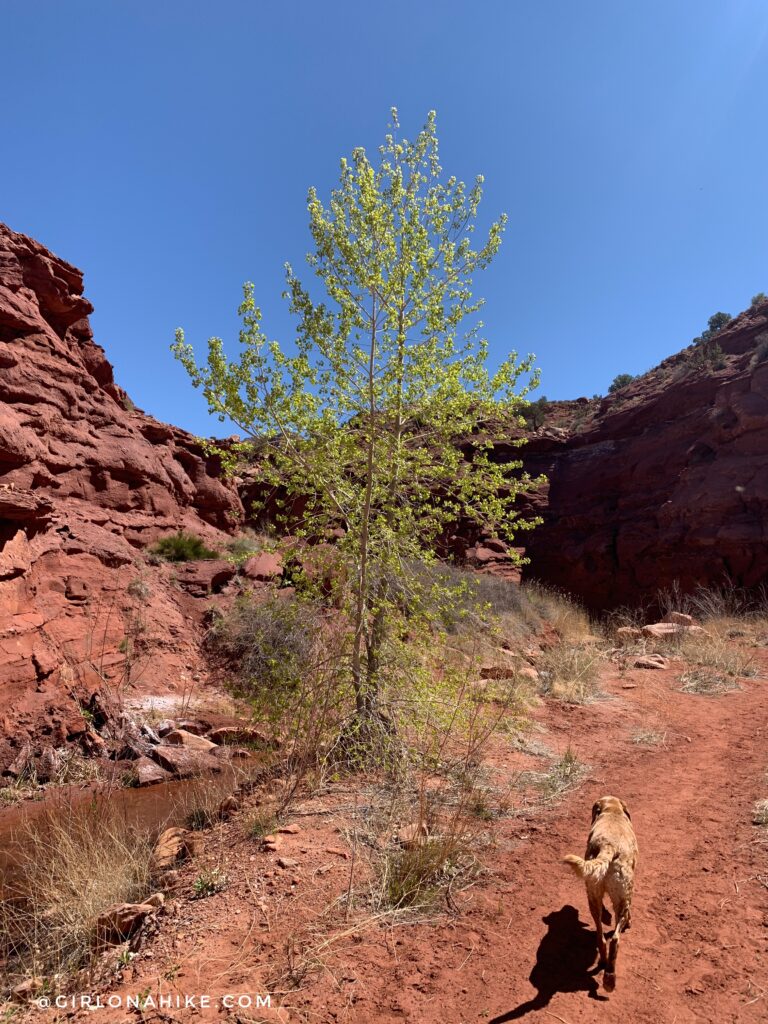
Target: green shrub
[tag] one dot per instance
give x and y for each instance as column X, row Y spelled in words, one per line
column 761, row 350
column 182, row 547
column 620, row 382
column 716, row 323
column 535, row 413
column 758, row 300
column 708, row 355
column 271, row 644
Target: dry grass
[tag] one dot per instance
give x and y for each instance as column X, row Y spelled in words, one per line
column 707, row 682
column 78, row 865
column 562, row 775
column 571, row 672
column 649, row 738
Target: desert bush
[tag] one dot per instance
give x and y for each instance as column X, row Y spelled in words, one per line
column 78, row 864
column 182, row 547
column 535, row 413
column 248, row 543
column 208, row 883
column 269, row 644
column 620, row 382
column 758, row 300
column 716, row 323
column 761, row 350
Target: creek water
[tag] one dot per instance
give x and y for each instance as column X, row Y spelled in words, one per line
column 146, row 810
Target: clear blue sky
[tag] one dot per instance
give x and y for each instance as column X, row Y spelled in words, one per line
column 166, row 147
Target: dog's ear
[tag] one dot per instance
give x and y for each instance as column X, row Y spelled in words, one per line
column 626, row 810
column 595, row 810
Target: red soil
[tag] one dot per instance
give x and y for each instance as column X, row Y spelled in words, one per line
column 523, row 948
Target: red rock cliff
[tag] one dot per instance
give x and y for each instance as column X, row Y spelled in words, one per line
column 86, row 481
column 666, row 481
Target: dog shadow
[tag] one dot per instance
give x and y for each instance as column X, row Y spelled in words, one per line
column 565, row 962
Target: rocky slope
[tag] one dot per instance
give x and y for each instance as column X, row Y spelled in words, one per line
column 86, row 482
column 665, row 481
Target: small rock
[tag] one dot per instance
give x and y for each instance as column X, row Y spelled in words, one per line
column 344, row 854
column 228, row 806
column 263, row 567
column 680, row 618
column 173, row 845
column 120, row 922
column 26, row 991
column 156, row 900
column 654, row 661
column 164, row 727
column 626, row 634
column 411, row 836
column 291, row 830
column 287, row 862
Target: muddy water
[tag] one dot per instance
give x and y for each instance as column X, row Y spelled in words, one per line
column 147, row 810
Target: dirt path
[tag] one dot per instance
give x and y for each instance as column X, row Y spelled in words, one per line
column 525, row 948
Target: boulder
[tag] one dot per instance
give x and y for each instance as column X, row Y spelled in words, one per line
column 651, row 661
column 234, row 735
column 183, row 762
column 146, row 773
column 264, row 567
column 182, row 738
column 120, row 922
column 173, row 846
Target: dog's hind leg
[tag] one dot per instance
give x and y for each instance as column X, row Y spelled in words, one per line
column 596, row 909
column 622, row 922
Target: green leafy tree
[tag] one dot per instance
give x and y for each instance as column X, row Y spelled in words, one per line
column 369, row 416
column 715, row 324
column 620, row 382
column 536, row 412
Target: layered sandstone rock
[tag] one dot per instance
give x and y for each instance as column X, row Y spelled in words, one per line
column 666, row 481
column 86, row 483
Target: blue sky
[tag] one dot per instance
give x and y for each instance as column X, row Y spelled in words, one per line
column 166, row 147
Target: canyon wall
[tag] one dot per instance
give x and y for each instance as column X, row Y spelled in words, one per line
column 665, row 481
column 86, row 483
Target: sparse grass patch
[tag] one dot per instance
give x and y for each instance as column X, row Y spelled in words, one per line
column 649, row 738
column 182, row 547
column 78, row 864
column 262, row 821
column 707, row 682
column 415, row 878
column 562, row 775
column 571, row 672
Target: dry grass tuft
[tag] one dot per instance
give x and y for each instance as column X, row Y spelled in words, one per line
column 571, row 672
column 649, row 738
column 707, row 682
column 78, row 865
column 562, row 775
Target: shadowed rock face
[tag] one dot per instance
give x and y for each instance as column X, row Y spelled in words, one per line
column 85, row 482
column 666, row 482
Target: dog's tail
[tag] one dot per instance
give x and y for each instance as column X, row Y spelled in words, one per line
column 596, row 868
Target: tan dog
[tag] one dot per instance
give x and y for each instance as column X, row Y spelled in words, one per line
column 609, row 867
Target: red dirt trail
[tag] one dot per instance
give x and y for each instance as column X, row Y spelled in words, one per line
column 525, row 949
column 524, row 946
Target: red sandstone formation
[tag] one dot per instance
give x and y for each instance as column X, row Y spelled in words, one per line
column 86, row 482
column 665, row 481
